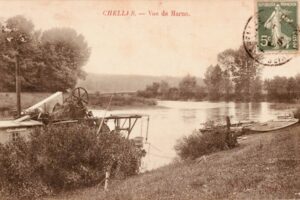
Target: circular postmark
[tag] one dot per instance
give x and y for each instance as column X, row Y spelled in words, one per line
column 276, row 57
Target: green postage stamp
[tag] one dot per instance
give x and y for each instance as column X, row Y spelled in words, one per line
column 277, row 28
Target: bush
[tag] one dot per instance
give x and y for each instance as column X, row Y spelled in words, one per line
column 63, row 157
column 18, row 175
column 198, row 144
column 297, row 113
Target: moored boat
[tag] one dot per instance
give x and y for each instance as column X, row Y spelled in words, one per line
column 272, row 125
column 236, row 126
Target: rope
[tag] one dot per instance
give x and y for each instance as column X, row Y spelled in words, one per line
column 157, row 155
column 161, row 156
column 158, row 149
column 102, row 121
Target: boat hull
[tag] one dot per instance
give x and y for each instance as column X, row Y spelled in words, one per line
column 272, row 125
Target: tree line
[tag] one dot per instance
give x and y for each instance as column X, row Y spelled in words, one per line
column 187, row 89
column 236, row 77
column 49, row 60
column 283, row 88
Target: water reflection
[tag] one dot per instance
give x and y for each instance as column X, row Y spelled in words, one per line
column 188, row 115
column 181, row 118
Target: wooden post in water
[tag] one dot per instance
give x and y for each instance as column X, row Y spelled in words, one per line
column 228, row 124
column 18, row 86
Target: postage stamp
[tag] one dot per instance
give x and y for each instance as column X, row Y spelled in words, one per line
column 277, row 26
column 266, row 58
column 271, row 35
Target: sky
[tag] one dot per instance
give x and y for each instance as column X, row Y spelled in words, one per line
column 144, row 44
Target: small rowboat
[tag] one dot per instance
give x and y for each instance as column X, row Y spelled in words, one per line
column 237, row 126
column 272, row 125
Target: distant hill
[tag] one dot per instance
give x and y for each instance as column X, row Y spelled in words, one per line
column 124, row 83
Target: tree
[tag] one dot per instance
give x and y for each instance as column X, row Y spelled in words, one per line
column 226, row 85
column 297, row 80
column 17, row 43
column 291, row 88
column 164, row 89
column 151, row 91
column 187, row 87
column 65, row 53
column 277, row 88
column 256, row 87
column 213, row 80
column 49, row 61
column 200, row 92
column 173, row 93
column 281, row 88
column 243, row 70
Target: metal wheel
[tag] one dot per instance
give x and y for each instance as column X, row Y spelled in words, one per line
column 80, row 95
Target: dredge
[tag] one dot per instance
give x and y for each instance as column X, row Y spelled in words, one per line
column 56, row 109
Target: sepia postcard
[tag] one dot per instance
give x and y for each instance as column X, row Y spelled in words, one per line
column 149, row 99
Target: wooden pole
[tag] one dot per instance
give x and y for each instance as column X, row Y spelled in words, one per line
column 18, row 87
column 102, row 121
column 147, row 130
column 107, row 174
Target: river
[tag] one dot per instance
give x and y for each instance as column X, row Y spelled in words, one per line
column 171, row 120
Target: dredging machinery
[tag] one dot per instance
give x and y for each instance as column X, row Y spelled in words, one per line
column 57, row 109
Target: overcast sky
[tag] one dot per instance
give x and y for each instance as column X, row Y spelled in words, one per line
column 148, row 45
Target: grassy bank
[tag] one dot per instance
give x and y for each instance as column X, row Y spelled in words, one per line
column 264, row 166
column 8, row 101
column 119, row 101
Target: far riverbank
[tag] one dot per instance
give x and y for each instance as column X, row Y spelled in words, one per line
column 96, row 101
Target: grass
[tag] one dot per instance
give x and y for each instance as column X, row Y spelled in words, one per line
column 264, row 166
column 27, row 99
column 119, row 101
column 9, row 101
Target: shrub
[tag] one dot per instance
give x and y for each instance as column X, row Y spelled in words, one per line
column 64, row 157
column 198, row 144
column 18, row 175
column 297, row 113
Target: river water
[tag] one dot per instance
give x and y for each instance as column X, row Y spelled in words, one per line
column 171, row 120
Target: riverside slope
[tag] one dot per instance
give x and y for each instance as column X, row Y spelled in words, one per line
column 264, row 166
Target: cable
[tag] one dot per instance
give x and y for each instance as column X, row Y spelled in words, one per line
column 161, row 156
column 158, row 149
